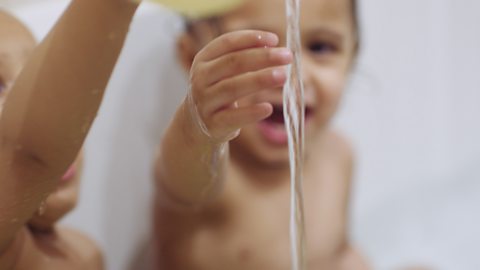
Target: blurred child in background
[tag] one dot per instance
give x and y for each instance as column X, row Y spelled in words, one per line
column 223, row 169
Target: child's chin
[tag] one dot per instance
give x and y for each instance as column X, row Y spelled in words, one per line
column 275, row 158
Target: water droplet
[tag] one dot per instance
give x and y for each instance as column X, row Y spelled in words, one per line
column 42, row 209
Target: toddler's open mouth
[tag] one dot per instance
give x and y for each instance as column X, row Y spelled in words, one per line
column 273, row 127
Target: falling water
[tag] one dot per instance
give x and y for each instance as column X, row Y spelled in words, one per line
column 294, row 108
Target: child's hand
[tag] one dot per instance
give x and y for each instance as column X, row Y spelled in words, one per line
column 229, row 68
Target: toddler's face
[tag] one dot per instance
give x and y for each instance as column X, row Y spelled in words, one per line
column 16, row 45
column 328, row 37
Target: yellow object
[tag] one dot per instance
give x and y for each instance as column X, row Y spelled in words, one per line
column 199, row 8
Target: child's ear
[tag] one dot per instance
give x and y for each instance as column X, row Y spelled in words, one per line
column 186, row 50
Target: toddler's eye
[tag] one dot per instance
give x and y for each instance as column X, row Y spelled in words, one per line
column 321, row 47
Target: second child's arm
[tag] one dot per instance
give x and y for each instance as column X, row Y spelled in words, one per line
column 193, row 155
column 53, row 103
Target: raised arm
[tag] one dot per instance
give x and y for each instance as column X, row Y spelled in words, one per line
column 53, row 104
column 193, row 155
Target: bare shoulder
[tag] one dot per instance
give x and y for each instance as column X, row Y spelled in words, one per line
column 339, row 147
column 334, row 164
column 86, row 251
column 337, row 163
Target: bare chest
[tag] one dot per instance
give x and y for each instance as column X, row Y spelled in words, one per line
column 254, row 234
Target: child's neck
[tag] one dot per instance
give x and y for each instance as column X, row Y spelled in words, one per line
column 261, row 175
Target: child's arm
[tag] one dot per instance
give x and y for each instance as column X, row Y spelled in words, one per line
column 192, row 158
column 348, row 256
column 53, row 103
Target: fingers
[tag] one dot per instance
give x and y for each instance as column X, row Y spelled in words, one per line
column 222, row 117
column 230, row 90
column 229, row 121
column 245, row 61
column 236, row 41
column 230, row 68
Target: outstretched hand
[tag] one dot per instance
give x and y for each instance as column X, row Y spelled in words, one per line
column 231, row 67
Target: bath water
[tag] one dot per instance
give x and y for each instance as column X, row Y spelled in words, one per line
column 293, row 109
